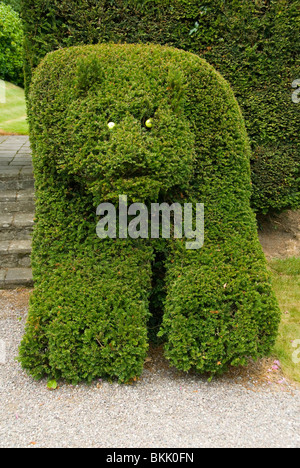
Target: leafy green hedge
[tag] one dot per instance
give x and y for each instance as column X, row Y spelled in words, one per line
column 89, row 312
column 11, row 46
column 15, row 4
column 253, row 43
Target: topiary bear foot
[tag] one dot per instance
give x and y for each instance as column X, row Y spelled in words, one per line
column 220, row 309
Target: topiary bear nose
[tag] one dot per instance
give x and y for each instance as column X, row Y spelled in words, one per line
column 128, row 153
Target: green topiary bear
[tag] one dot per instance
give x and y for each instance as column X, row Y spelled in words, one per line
column 178, row 136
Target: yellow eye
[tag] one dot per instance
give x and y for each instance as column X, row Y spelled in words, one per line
column 149, row 123
column 111, row 125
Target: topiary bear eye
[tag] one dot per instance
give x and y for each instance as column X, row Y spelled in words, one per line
column 149, row 123
column 111, row 125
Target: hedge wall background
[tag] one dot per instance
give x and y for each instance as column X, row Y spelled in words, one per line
column 15, row 4
column 253, row 43
column 11, row 45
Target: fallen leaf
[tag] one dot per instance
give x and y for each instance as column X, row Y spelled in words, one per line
column 52, row 385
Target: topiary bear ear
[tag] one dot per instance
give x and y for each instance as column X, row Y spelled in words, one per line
column 89, row 74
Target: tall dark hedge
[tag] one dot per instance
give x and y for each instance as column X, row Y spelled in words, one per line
column 253, row 43
column 92, row 300
column 15, row 4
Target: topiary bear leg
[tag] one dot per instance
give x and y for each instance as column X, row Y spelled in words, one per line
column 220, row 308
column 97, row 325
column 89, row 311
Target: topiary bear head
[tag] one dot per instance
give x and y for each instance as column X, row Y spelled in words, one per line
column 197, row 139
column 134, row 137
column 130, row 158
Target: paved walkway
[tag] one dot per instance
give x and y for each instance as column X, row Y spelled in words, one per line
column 16, row 211
column 15, row 151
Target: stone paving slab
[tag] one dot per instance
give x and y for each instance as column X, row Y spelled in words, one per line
column 16, row 175
column 25, row 160
column 16, row 234
column 23, row 220
column 9, row 172
column 5, row 220
column 15, row 151
column 2, row 278
column 17, row 172
column 18, row 226
column 7, row 154
column 12, row 147
column 21, row 246
column 15, row 277
column 4, row 246
column 22, row 206
column 27, row 195
column 8, row 195
column 13, row 184
column 20, row 162
column 26, row 171
column 15, row 254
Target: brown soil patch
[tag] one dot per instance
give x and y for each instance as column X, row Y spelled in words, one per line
column 14, row 303
column 2, row 132
column 280, row 234
column 257, row 376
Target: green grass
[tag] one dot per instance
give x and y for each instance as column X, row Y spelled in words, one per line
column 286, row 282
column 13, row 111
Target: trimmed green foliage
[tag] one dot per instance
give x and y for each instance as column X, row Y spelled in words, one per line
column 253, row 43
column 89, row 312
column 15, row 4
column 11, row 46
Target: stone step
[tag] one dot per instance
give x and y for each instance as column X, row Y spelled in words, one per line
column 19, row 196
column 18, row 226
column 18, row 206
column 12, row 278
column 16, row 178
column 15, row 254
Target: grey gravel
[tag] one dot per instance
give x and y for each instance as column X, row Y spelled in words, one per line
column 162, row 410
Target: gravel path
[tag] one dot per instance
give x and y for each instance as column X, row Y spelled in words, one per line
column 163, row 410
